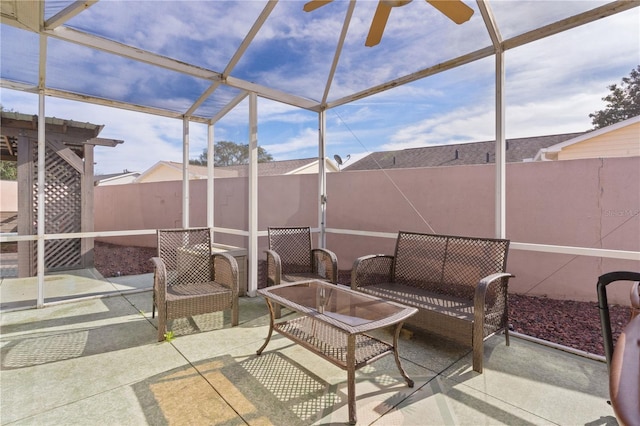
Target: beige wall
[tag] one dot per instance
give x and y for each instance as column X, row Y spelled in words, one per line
column 8, row 195
column 624, row 142
column 586, row 203
column 161, row 173
column 329, row 165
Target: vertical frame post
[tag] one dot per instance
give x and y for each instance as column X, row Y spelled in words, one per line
column 500, row 188
column 322, row 179
column 210, row 178
column 41, row 197
column 42, row 72
column 185, row 172
column 253, row 194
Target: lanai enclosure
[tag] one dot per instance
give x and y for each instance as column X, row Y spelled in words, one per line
column 61, row 48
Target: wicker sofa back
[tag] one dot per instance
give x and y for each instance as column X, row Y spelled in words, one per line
column 459, row 284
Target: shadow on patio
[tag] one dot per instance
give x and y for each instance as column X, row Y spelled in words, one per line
column 97, row 361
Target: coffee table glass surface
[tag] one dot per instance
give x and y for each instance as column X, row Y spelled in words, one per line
column 340, row 303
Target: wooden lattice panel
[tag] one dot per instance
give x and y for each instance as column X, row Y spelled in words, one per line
column 63, row 211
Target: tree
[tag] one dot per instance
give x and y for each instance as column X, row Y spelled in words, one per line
column 622, row 103
column 230, row 153
column 8, row 170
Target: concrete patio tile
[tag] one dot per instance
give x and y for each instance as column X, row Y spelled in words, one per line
column 540, row 379
column 23, row 292
column 426, row 350
column 68, row 352
column 174, row 396
column 82, row 315
column 132, row 282
column 379, row 388
column 98, row 361
column 117, row 406
column 261, row 389
column 42, row 387
column 447, row 402
column 289, row 385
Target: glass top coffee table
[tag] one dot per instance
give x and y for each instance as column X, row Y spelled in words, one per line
column 333, row 324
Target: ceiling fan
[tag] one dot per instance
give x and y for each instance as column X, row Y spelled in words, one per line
column 455, row 10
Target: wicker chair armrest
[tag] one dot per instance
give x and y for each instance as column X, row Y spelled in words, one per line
column 635, row 300
column 274, row 268
column 225, row 269
column 484, row 284
column 480, row 298
column 371, row 269
column 329, row 262
column 159, row 279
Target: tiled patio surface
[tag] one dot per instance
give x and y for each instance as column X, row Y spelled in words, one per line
column 97, row 361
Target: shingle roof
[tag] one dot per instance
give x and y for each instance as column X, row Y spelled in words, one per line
column 98, row 178
column 458, row 154
column 272, row 168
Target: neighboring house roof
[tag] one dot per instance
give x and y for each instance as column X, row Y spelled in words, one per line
column 169, row 170
column 284, row 167
column 519, row 149
column 115, row 178
column 621, row 139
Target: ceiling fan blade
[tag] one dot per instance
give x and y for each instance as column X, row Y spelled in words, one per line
column 455, row 10
column 314, row 4
column 377, row 25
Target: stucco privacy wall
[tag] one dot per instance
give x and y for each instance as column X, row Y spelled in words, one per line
column 586, row 203
column 283, row 200
column 8, row 196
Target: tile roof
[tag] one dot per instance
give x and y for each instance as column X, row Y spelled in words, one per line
column 518, row 150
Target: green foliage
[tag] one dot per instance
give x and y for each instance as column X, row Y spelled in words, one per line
column 230, row 153
column 622, row 103
column 169, row 336
column 8, row 170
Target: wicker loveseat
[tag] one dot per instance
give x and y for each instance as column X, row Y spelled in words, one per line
column 458, row 284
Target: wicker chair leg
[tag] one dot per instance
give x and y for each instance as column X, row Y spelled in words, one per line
column 162, row 325
column 234, row 315
column 478, row 353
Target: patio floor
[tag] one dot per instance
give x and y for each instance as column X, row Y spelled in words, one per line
column 97, row 361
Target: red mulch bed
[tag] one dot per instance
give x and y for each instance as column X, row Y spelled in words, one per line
column 113, row 260
column 569, row 323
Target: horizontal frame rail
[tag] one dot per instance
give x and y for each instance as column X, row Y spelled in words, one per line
column 546, row 248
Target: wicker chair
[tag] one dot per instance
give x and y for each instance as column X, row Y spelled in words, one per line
column 290, row 258
column 189, row 280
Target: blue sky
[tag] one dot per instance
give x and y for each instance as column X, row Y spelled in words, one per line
column 551, row 85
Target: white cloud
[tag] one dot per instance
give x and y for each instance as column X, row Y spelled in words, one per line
column 307, row 139
column 551, row 85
